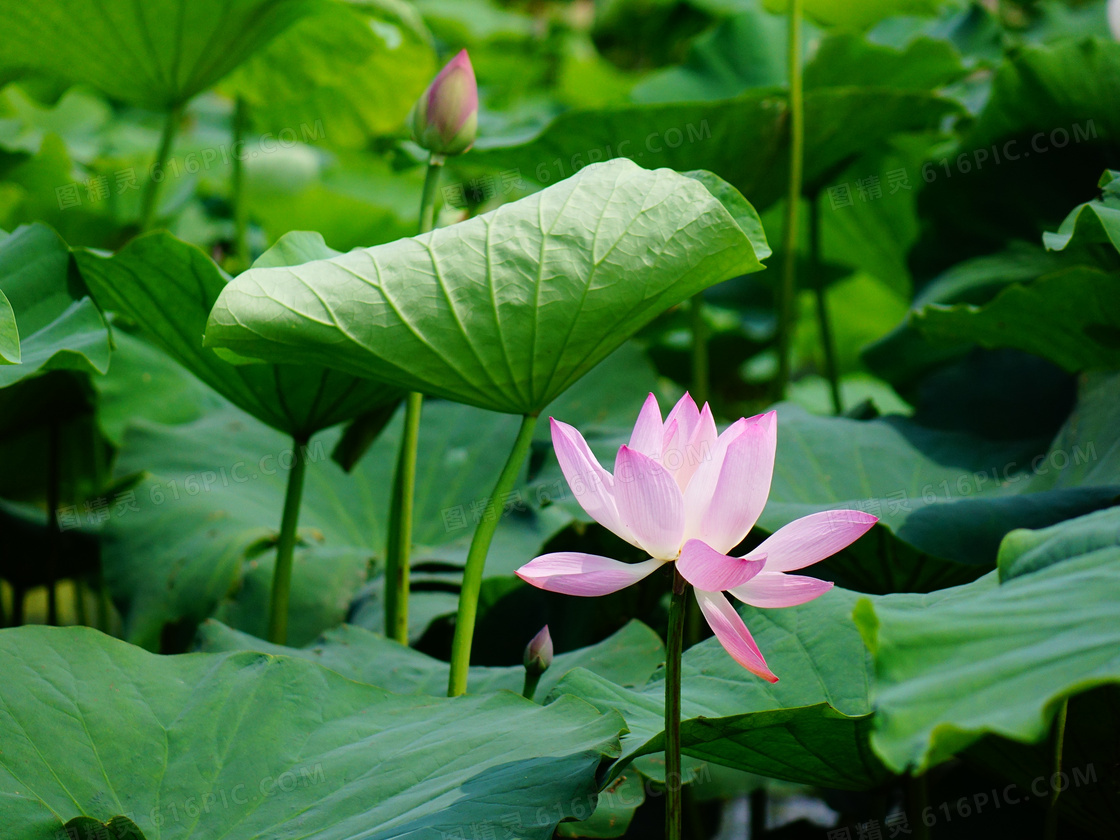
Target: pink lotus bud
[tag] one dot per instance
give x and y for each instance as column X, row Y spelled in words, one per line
column 445, row 119
column 538, row 653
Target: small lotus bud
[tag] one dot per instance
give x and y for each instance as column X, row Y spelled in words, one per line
column 1114, row 18
column 538, row 653
column 444, row 119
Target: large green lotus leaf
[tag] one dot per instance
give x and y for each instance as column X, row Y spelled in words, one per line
column 994, row 658
column 204, row 520
column 1071, row 317
column 246, row 745
column 56, row 324
column 849, row 60
column 744, row 51
column 1025, row 551
column 842, row 123
column 810, row 727
column 948, row 498
column 627, row 658
column 153, row 54
column 1067, row 315
column 905, row 354
column 167, row 287
column 1049, row 120
column 856, row 15
column 507, row 310
column 748, row 51
column 358, row 61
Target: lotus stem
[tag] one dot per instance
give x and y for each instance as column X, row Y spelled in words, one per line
column 529, row 689
column 788, row 288
column 828, row 346
column 428, row 197
column 285, row 546
column 674, row 648
column 398, row 546
column 1051, row 827
column 476, row 560
column 150, row 205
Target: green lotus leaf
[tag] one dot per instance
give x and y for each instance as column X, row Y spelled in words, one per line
column 509, row 309
column 245, row 745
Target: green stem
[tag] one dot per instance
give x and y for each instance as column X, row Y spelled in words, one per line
column 400, row 531
column 428, row 197
column 54, row 532
column 398, row 547
column 700, row 366
column 476, row 559
column 151, row 192
column 532, row 680
column 827, row 344
column 285, row 546
column 674, row 647
column 240, row 208
column 918, row 796
column 1051, row 828
column 788, row 288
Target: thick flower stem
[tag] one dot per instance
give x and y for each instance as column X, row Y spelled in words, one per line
column 428, row 197
column 674, row 647
column 828, row 346
column 398, row 547
column 788, row 288
column 1051, row 828
column 237, row 199
column 285, row 546
column 400, row 529
column 529, row 689
column 158, row 173
column 476, row 559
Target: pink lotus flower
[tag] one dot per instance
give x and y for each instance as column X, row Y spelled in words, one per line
column 682, row 492
column 444, row 119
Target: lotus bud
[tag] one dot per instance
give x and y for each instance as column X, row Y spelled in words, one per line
column 1114, row 18
column 538, row 653
column 444, row 119
column 538, row 656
